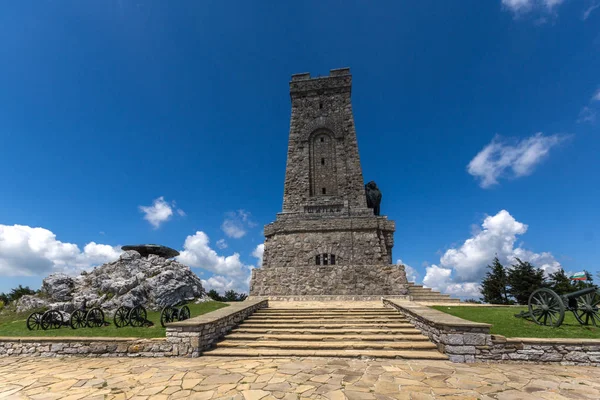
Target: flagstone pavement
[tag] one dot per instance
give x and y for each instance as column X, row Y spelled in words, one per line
column 301, row 378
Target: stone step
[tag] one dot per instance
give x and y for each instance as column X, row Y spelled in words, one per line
column 328, row 325
column 355, row 320
column 400, row 354
column 320, row 337
column 336, row 311
column 302, row 330
column 327, row 317
column 329, row 313
column 331, row 345
column 435, row 298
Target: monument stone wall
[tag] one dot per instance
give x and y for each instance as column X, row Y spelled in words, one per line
column 326, row 241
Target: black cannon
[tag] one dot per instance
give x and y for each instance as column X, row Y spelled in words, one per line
column 51, row 319
column 546, row 307
column 87, row 317
column 136, row 317
column 173, row 313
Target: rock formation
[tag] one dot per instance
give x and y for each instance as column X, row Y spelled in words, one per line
column 152, row 281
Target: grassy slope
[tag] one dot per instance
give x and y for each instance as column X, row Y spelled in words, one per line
column 15, row 325
column 506, row 324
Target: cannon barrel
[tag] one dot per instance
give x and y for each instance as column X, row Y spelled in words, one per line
column 581, row 292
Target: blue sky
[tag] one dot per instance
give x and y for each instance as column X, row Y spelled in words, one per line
column 479, row 121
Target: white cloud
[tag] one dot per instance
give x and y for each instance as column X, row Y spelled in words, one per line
column 411, row 274
column 589, row 10
column 222, row 284
column 258, row 253
column 160, row 211
column 499, row 159
column 587, row 115
column 232, row 229
column 519, row 7
column 461, row 269
column 27, row 251
column 596, row 96
column 197, row 253
column 236, row 223
column 221, row 244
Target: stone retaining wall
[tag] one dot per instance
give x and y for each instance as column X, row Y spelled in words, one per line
column 191, row 337
column 540, row 350
column 84, row 346
column 466, row 341
column 455, row 337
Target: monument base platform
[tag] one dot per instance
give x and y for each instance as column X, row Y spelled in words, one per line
column 374, row 281
column 326, row 299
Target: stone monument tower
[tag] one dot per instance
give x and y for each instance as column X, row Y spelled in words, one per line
column 326, row 241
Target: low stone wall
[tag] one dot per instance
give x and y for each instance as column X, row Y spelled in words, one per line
column 191, row 337
column 540, row 350
column 455, row 337
column 84, row 347
column 466, row 341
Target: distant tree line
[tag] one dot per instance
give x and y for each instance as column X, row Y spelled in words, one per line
column 230, row 295
column 14, row 295
column 512, row 285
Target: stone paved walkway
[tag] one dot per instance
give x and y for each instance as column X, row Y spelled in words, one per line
column 316, row 378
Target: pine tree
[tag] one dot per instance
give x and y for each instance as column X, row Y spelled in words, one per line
column 523, row 279
column 493, row 286
column 213, row 294
column 560, row 282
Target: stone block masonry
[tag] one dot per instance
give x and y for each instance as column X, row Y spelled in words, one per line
column 453, row 336
column 466, row 341
column 84, row 347
column 326, row 241
column 195, row 335
column 331, row 280
column 541, row 350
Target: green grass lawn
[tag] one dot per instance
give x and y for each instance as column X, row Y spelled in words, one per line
column 506, row 324
column 12, row 324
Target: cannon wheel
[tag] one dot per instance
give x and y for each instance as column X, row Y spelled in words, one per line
column 121, row 317
column 546, row 307
column 52, row 319
column 587, row 309
column 184, row 313
column 34, row 321
column 167, row 315
column 94, row 318
column 77, row 319
column 137, row 316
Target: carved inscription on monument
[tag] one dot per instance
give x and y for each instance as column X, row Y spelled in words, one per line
column 324, row 209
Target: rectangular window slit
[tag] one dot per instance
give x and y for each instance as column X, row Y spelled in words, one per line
column 324, row 191
column 322, row 161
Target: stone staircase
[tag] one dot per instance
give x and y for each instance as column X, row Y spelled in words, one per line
column 426, row 295
column 327, row 332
